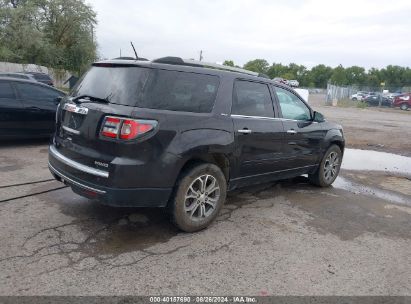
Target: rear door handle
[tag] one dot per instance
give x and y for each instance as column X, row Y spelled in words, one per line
column 245, row 131
column 291, row 131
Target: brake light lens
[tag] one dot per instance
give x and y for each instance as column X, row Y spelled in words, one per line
column 111, row 127
column 126, row 129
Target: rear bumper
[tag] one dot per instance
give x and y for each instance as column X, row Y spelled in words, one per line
column 118, row 197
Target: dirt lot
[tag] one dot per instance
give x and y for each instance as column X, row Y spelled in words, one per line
column 372, row 128
column 280, row 238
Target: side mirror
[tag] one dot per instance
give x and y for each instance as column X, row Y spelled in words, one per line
column 318, row 117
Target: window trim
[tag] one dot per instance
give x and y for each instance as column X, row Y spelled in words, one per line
column 275, row 112
column 298, row 96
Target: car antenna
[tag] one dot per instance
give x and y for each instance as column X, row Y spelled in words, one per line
column 134, row 49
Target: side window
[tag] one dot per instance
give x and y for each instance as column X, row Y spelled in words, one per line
column 252, row 99
column 6, row 91
column 31, row 91
column 291, row 106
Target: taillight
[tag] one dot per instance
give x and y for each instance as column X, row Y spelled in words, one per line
column 125, row 128
column 111, row 127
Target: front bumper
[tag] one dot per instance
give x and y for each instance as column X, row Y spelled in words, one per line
column 118, row 197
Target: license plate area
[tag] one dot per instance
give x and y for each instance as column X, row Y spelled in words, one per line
column 72, row 120
column 73, row 117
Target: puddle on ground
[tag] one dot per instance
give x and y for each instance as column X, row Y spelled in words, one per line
column 390, row 187
column 356, row 159
column 345, row 184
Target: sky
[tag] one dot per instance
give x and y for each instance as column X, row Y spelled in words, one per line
column 361, row 32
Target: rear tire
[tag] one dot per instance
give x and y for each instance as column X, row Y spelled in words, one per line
column 198, row 198
column 328, row 169
column 404, row 107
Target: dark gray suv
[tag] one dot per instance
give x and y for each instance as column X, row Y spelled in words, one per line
column 179, row 134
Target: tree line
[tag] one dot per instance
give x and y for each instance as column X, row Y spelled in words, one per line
column 392, row 76
column 53, row 33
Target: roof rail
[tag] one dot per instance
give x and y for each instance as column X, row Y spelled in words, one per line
column 196, row 63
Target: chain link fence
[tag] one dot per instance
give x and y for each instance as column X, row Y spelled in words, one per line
column 335, row 93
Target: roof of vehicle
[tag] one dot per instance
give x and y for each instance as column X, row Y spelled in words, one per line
column 31, row 82
column 185, row 64
column 13, row 73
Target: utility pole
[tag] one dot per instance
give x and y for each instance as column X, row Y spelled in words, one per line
column 201, row 55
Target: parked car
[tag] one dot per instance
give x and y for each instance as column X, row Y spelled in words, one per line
column 281, row 80
column 181, row 133
column 360, row 95
column 294, row 83
column 18, row 76
column 39, row 77
column 402, row 101
column 391, row 96
column 374, row 100
column 27, row 108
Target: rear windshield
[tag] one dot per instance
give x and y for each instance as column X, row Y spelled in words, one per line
column 41, row 77
column 150, row 88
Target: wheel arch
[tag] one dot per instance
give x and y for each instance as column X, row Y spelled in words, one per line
column 218, row 159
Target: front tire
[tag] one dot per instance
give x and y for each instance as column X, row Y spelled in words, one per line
column 199, row 196
column 404, row 107
column 328, row 169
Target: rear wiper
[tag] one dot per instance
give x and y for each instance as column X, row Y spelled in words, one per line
column 88, row 98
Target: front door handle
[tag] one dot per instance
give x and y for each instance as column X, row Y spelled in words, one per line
column 245, row 131
column 291, row 131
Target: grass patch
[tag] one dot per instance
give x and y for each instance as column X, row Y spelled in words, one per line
column 362, row 105
column 348, row 103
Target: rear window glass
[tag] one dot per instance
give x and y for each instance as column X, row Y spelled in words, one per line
column 41, row 77
column 150, row 88
column 6, row 91
column 179, row 91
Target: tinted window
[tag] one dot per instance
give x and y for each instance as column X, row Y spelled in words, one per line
column 252, row 99
column 19, row 76
column 6, row 91
column 291, row 106
column 31, row 91
column 179, row 91
column 42, row 77
column 150, row 88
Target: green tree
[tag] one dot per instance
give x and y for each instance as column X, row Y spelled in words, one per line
column 319, row 76
column 374, row 78
column 257, row 65
column 355, row 75
column 339, row 76
column 229, row 63
column 55, row 33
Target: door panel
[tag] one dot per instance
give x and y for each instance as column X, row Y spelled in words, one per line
column 302, row 143
column 40, row 107
column 302, row 136
column 10, row 112
column 260, row 151
column 259, row 136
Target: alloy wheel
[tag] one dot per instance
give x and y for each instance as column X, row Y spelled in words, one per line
column 331, row 166
column 201, row 198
